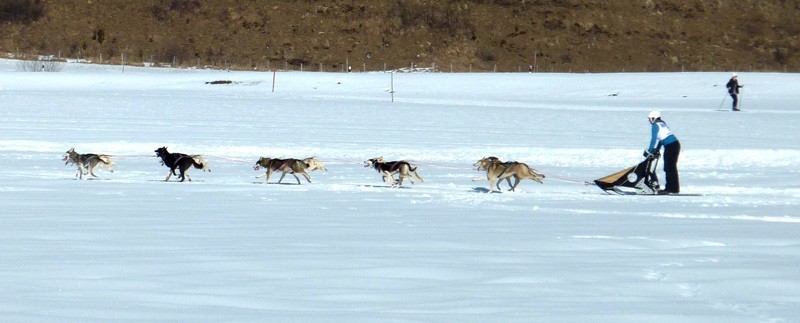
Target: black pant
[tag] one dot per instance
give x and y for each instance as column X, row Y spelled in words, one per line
column 671, row 153
column 735, row 97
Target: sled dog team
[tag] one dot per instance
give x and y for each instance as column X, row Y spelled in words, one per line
column 496, row 170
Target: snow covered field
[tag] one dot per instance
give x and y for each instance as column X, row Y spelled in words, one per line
column 128, row 246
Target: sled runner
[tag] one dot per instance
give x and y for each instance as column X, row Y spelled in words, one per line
column 640, row 179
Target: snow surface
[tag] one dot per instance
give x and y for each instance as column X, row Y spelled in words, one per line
column 128, row 246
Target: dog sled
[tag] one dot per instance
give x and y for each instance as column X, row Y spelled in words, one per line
column 640, row 179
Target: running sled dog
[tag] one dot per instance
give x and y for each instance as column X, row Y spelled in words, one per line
column 388, row 169
column 182, row 162
column 86, row 163
column 497, row 170
column 289, row 166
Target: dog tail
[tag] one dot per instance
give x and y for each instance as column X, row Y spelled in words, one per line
column 105, row 159
column 199, row 163
column 535, row 175
column 413, row 170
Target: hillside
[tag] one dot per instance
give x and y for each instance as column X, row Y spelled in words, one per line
column 506, row 35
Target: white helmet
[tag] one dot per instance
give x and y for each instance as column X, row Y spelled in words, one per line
column 734, row 75
column 653, row 116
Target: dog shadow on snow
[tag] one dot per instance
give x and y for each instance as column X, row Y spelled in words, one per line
column 484, row 190
column 289, row 184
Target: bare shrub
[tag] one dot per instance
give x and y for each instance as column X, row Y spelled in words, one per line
column 21, row 11
column 161, row 10
column 39, row 66
column 485, row 54
column 184, row 6
column 173, row 52
column 450, row 18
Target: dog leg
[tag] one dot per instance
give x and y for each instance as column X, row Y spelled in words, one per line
column 295, row 177
column 269, row 174
column 500, row 180
column 388, row 178
column 516, row 182
column 283, row 174
column 508, row 180
column 308, row 177
column 168, row 176
column 183, row 173
column 91, row 170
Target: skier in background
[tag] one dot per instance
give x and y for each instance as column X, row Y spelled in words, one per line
column 662, row 136
column 733, row 90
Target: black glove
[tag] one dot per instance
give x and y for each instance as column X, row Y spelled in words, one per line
column 649, row 155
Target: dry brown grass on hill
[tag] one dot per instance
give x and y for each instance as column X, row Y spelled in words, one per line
column 555, row 35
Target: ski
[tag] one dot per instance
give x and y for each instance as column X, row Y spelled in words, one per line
column 621, row 192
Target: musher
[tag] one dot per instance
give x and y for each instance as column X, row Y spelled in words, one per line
column 662, row 136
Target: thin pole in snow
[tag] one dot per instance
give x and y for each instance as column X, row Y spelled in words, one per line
column 723, row 101
column 274, row 74
column 392, row 90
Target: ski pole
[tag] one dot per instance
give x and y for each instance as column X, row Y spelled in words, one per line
column 723, row 101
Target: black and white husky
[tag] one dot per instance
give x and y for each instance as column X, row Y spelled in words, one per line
column 387, row 170
column 180, row 161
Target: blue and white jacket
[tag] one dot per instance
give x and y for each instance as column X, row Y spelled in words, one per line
column 661, row 136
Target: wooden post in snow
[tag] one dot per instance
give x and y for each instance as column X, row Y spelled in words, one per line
column 274, row 73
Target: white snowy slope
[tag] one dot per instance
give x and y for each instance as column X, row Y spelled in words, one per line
column 129, row 247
